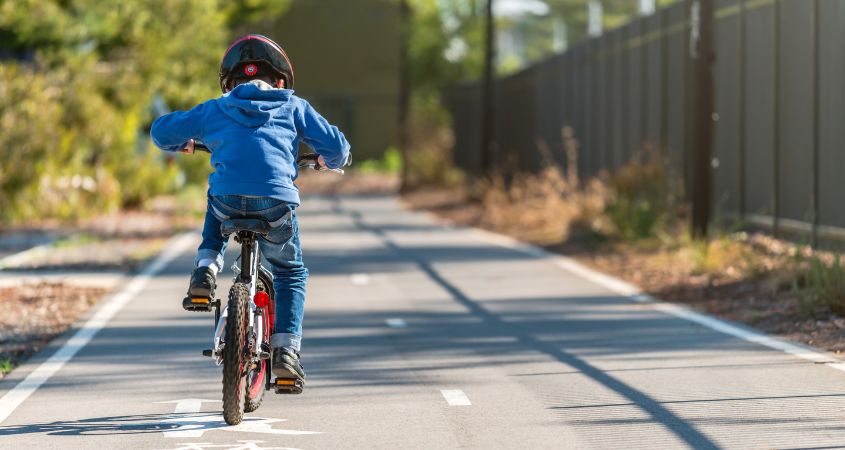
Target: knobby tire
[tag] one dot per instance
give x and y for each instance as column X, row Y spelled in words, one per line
column 234, row 357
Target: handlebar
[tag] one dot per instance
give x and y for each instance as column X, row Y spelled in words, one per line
column 305, row 160
column 310, row 161
column 199, row 146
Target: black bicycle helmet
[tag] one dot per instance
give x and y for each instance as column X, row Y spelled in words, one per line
column 253, row 56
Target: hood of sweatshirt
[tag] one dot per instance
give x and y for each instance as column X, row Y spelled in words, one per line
column 253, row 104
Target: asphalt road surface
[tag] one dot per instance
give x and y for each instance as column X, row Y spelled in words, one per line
column 423, row 336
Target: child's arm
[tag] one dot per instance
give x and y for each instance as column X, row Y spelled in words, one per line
column 171, row 132
column 323, row 137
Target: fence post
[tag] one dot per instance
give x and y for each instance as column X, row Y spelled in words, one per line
column 487, row 102
column 702, row 53
column 404, row 89
column 742, row 108
column 814, row 200
column 776, row 122
column 664, row 83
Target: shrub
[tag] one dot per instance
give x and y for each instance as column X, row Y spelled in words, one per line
column 389, row 163
column 643, row 198
column 819, row 283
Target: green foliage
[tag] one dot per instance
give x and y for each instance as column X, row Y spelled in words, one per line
column 442, row 27
column 642, row 200
column 430, row 163
column 6, row 366
column 75, row 96
column 390, row 163
column 819, row 284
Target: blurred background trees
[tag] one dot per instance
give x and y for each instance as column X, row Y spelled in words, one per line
column 81, row 80
column 78, row 81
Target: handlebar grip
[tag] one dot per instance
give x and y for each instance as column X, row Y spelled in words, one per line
column 200, row 147
column 310, row 161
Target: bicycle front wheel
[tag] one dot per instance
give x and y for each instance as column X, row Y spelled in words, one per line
column 235, row 356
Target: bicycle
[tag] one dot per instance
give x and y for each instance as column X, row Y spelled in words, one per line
column 241, row 342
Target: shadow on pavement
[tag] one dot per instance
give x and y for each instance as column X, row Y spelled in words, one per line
column 135, row 424
column 657, row 411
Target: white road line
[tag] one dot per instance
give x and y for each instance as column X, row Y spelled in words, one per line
column 98, row 321
column 187, row 406
column 360, row 279
column 455, row 397
column 395, row 323
column 635, row 294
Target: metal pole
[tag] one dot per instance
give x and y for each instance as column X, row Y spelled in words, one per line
column 742, row 108
column 776, row 123
column 702, row 52
column 814, row 199
column 488, row 110
column 404, row 90
column 664, row 84
column 625, row 92
column 644, row 90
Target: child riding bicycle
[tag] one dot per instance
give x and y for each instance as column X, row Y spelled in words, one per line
column 253, row 131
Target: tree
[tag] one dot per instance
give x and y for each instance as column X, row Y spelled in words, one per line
column 94, row 68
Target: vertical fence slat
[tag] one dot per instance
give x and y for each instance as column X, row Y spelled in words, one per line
column 779, row 95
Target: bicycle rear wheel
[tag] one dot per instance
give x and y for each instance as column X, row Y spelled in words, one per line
column 234, row 354
column 257, row 377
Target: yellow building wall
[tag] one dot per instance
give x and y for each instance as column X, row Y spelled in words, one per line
column 345, row 55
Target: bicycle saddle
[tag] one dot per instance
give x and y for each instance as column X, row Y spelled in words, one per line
column 256, row 226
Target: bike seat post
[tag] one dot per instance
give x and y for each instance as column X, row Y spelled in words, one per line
column 247, row 241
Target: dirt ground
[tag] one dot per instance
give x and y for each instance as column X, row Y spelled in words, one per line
column 34, row 314
column 766, row 301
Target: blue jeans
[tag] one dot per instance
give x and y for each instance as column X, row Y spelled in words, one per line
column 280, row 248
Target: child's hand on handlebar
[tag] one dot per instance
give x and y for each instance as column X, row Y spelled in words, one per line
column 189, row 148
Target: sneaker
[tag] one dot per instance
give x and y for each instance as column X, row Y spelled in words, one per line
column 286, row 364
column 203, row 282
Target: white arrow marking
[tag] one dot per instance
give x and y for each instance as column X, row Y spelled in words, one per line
column 189, row 422
column 189, row 405
column 241, row 445
column 195, row 425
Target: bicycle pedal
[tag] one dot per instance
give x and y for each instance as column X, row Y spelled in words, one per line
column 208, row 353
column 198, row 304
column 288, row 385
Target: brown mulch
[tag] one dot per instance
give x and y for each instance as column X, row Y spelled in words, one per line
column 34, row 314
column 765, row 302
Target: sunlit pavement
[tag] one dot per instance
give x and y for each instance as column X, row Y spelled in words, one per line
column 423, row 336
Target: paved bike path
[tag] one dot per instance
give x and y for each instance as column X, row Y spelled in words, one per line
column 423, row 336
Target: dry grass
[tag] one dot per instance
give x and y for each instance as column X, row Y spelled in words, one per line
column 541, row 208
column 632, row 224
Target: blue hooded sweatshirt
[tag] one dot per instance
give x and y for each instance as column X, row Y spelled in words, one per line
column 253, row 132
